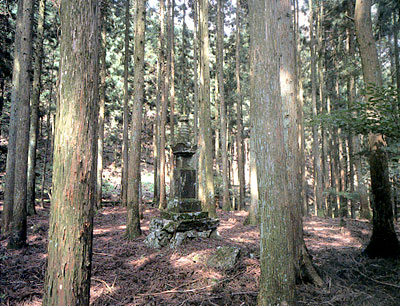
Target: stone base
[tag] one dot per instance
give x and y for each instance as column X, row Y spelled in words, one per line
column 174, row 228
column 184, row 205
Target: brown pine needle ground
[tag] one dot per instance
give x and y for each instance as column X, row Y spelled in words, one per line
column 129, row 273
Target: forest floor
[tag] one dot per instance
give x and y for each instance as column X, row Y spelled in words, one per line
column 128, row 273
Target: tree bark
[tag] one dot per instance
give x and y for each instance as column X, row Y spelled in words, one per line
column 133, row 219
column 226, row 205
column 67, row 280
column 19, row 138
column 206, row 176
column 384, row 242
column 277, row 281
column 125, row 137
column 34, row 122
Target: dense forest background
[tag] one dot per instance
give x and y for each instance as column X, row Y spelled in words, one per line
column 145, row 96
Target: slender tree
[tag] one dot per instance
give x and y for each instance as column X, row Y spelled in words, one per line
column 277, row 281
column 384, row 242
column 226, row 205
column 34, row 121
column 157, row 121
column 171, row 39
column 17, row 158
column 133, row 219
column 239, row 120
column 253, row 217
column 318, row 184
column 183, row 70
column 196, row 70
column 48, row 129
column 164, row 106
column 67, row 280
column 125, row 137
column 102, row 100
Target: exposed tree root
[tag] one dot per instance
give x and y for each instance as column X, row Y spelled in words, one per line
column 308, row 273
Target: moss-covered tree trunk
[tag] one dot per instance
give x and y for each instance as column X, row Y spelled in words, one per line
column 384, row 242
column 277, row 281
column 133, row 219
column 34, row 122
column 19, row 126
column 67, row 280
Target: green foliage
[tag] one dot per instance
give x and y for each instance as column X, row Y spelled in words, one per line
column 344, row 194
column 379, row 114
column 108, row 188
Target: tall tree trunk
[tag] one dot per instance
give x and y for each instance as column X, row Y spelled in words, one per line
column 125, row 137
column 301, row 136
column 10, row 164
column 226, row 205
column 322, row 98
column 396, row 25
column 67, row 280
column 195, row 71
column 157, row 120
column 34, row 122
column 217, row 137
column 133, row 220
column 384, row 242
column 343, row 173
column 48, row 130
column 19, row 125
column 102, row 101
column 171, row 39
column 350, row 98
column 239, row 135
column 164, row 105
column 206, row 190
column 277, row 281
column 254, row 216
column 365, row 212
column 290, row 108
column 318, row 185
column 156, row 141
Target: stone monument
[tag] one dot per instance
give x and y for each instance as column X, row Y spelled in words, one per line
column 183, row 219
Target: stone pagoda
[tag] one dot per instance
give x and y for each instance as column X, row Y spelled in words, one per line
column 183, row 219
